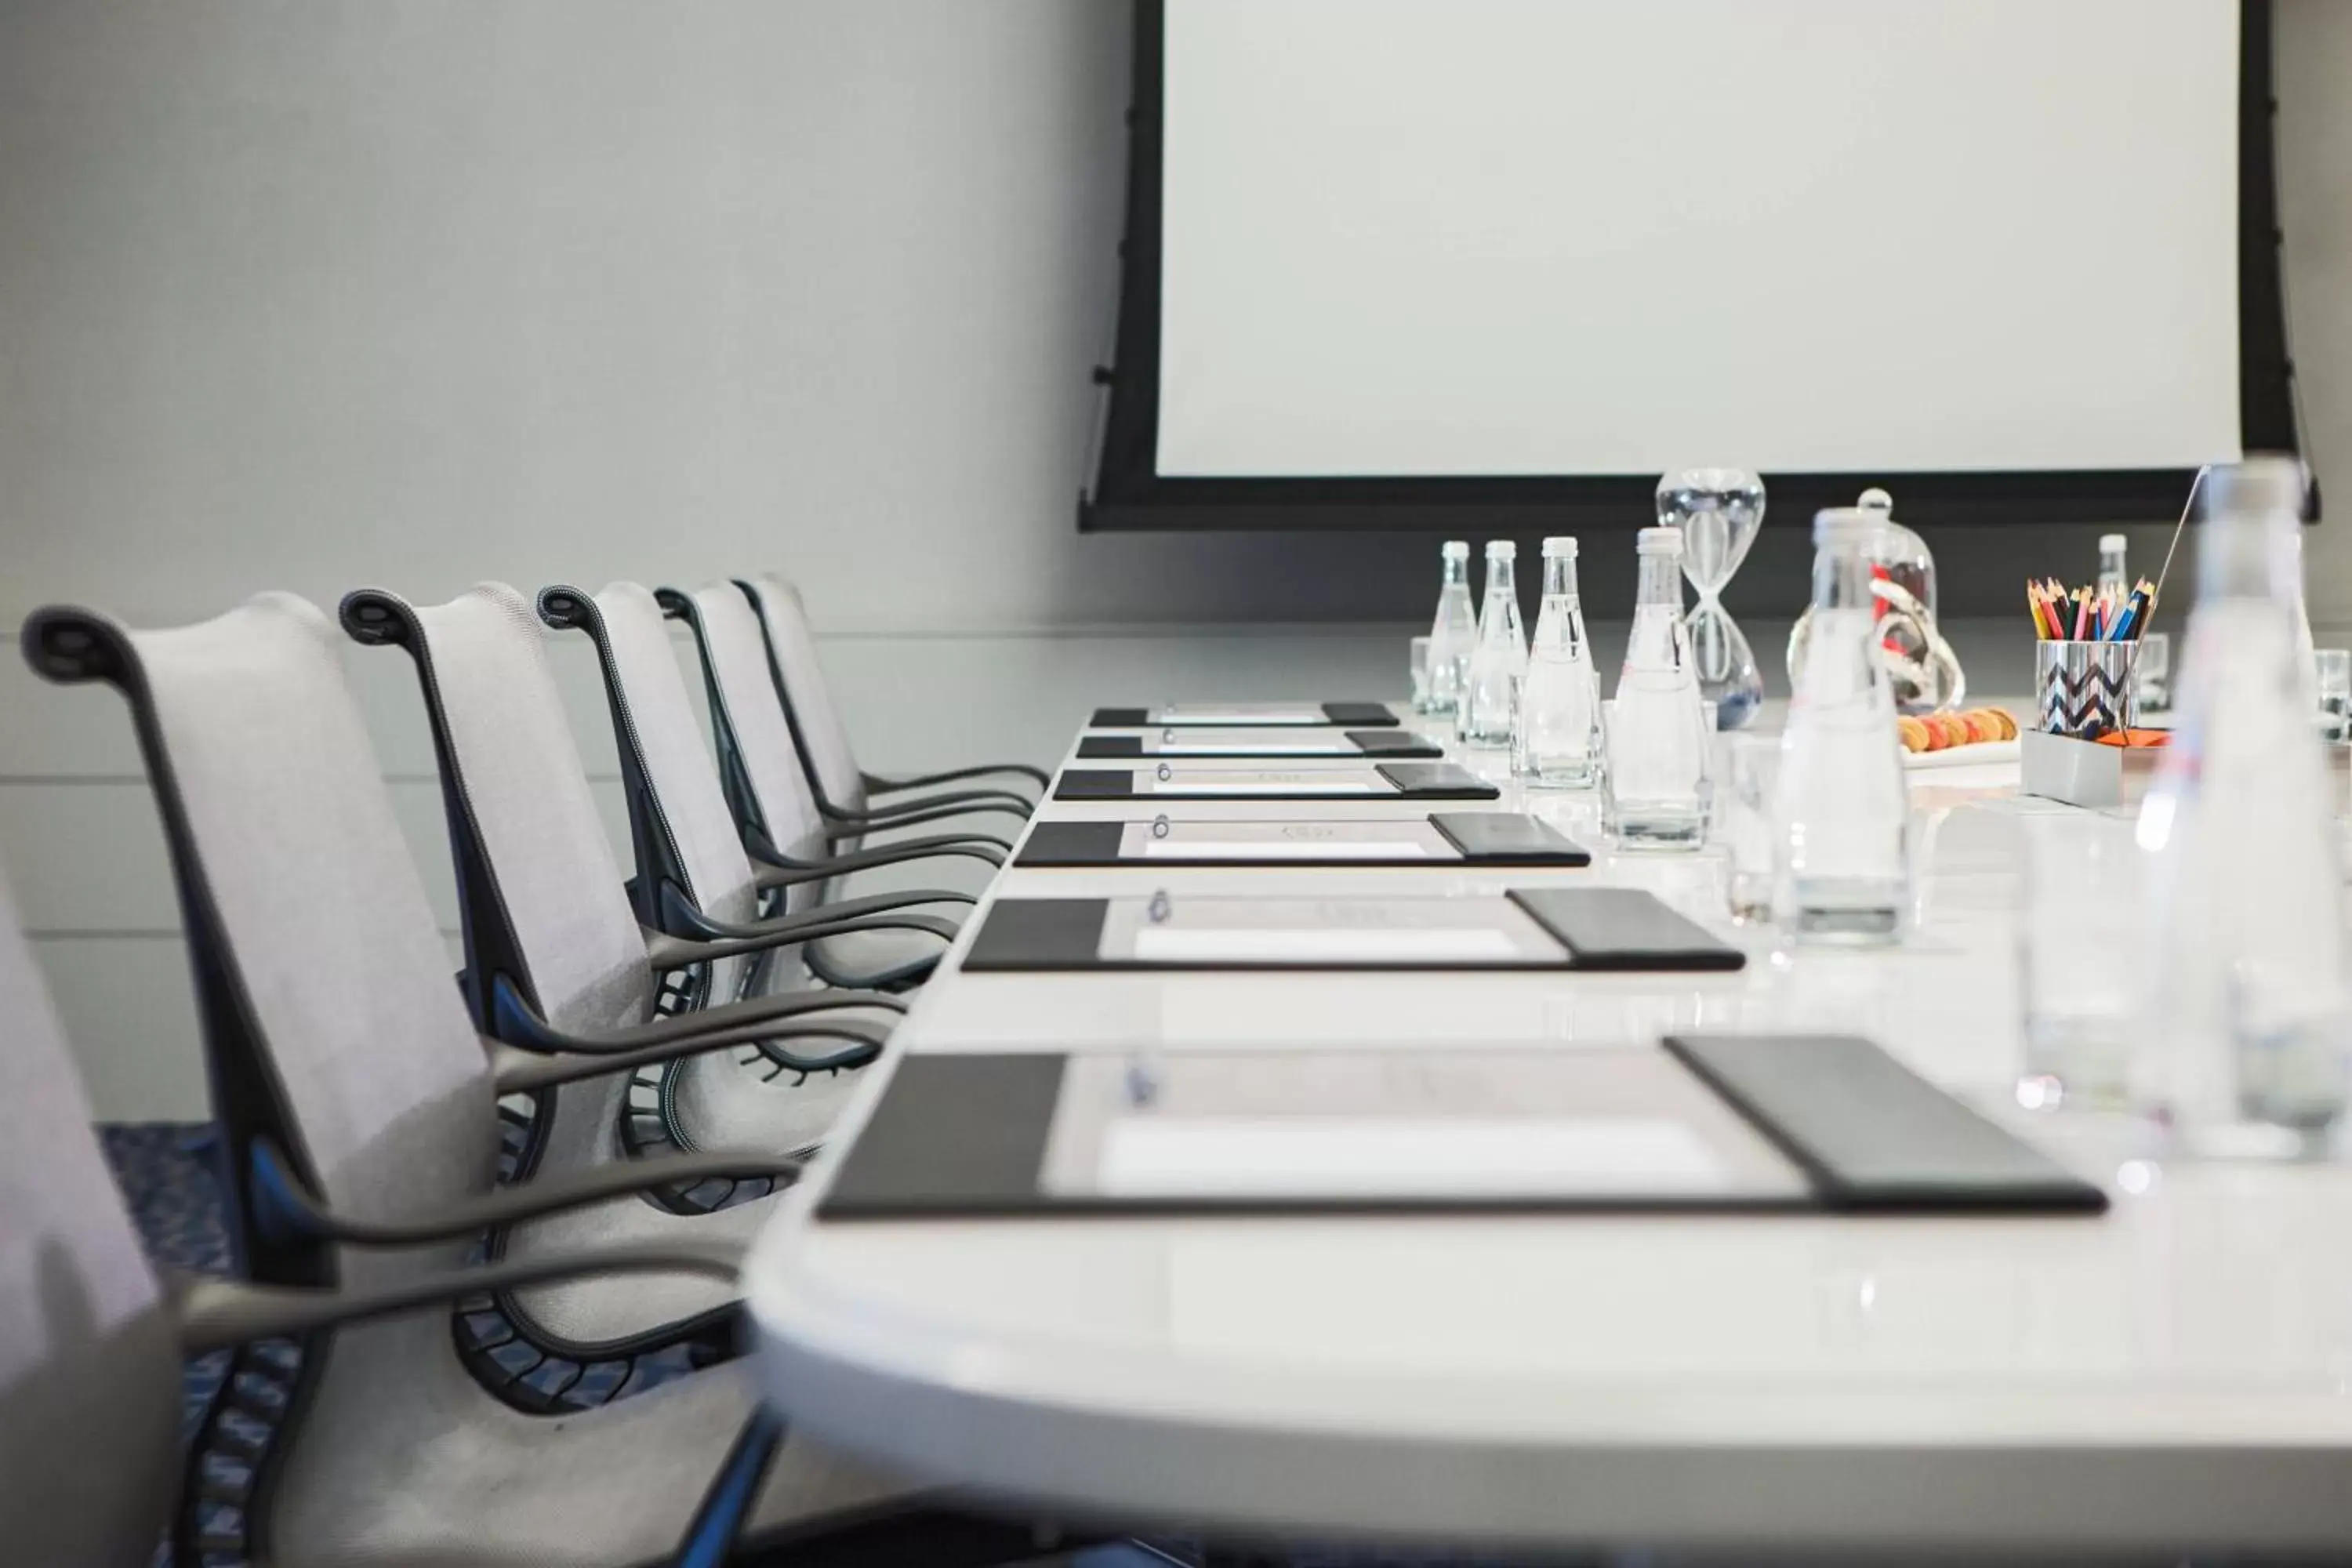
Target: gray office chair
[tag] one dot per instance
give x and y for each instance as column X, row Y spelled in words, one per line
column 761, row 787
column 557, row 940
column 846, row 791
column 329, row 1013
column 368, row 1445
column 690, row 847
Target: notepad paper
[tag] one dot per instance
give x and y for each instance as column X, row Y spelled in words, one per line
column 1238, row 713
column 1180, row 945
column 1209, row 748
column 1260, row 783
column 1373, row 1157
column 1283, row 849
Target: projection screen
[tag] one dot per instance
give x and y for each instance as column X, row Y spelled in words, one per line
column 1406, row 256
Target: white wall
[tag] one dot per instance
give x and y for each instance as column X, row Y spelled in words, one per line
column 309, row 293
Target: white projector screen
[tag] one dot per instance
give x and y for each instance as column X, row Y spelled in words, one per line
column 1499, row 237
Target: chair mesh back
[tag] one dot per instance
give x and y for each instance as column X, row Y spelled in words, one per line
column 519, row 770
column 820, row 726
column 329, row 933
column 90, row 1369
column 739, row 670
column 649, row 689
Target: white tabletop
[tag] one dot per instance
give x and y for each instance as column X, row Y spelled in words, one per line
column 2176, row 1372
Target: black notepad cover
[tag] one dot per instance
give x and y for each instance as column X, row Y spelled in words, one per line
column 1636, row 930
column 952, row 1135
column 1094, row 783
column 1361, row 715
column 1072, row 844
column 1110, row 745
column 1508, row 838
column 1120, row 719
column 1394, row 744
column 1435, row 781
column 1871, row 1134
column 1039, row 934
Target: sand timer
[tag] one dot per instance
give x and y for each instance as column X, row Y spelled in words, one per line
column 1718, row 512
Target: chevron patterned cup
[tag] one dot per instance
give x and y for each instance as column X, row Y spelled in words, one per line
column 2084, row 690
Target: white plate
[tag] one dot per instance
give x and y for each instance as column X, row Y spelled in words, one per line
column 1979, row 754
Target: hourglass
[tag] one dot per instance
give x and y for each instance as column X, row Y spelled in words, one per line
column 1718, row 512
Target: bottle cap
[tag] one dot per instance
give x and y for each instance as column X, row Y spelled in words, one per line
column 1562, row 544
column 2264, row 482
column 1457, row 549
column 2112, row 543
column 1875, row 499
column 1502, row 550
column 1658, row 542
column 1844, row 524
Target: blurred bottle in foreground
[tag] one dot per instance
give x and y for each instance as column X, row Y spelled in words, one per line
column 2249, row 1002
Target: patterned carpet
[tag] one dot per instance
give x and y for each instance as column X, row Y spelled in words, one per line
column 165, row 1172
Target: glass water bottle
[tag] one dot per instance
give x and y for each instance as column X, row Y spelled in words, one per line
column 2250, row 1005
column 1841, row 860
column 1657, row 737
column 2115, row 576
column 1454, row 631
column 1490, row 694
column 1560, row 704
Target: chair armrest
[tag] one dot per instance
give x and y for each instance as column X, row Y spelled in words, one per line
column 840, row 866
column 215, row 1313
column 965, row 797
column 916, row 814
column 714, row 938
column 516, row 1071
column 290, row 1210
column 878, row 785
column 780, row 869
column 517, row 1023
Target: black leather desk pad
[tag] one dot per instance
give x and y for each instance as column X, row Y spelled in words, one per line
column 1407, row 781
column 1395, row 743
column 980, row 1136
column 1478, row 837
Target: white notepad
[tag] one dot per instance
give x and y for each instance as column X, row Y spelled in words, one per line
column 1361, row 1156
column 1374, row 944
column 1283, row 849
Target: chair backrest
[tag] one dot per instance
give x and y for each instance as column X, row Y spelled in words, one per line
column 544, row 900
column 330, row 1020
column 808, row 700
column 89, row 1365
column 758, row 763
column 686, row 836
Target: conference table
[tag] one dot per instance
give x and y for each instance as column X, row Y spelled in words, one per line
column 2173, row 1373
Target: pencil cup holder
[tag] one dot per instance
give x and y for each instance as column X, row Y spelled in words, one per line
column 2082, row 689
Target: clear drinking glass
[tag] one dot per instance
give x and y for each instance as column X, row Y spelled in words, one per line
column 1420, row 656
column 2152, row 673
column 2078, row 953
column 1454, row 631
column 1560, row 703
column 1746, row 798
column 2249, row 1000
column 1718, row 512
column 1843, row 871
column 1500, row 660
column 2335, row 672
column 1656, row 748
